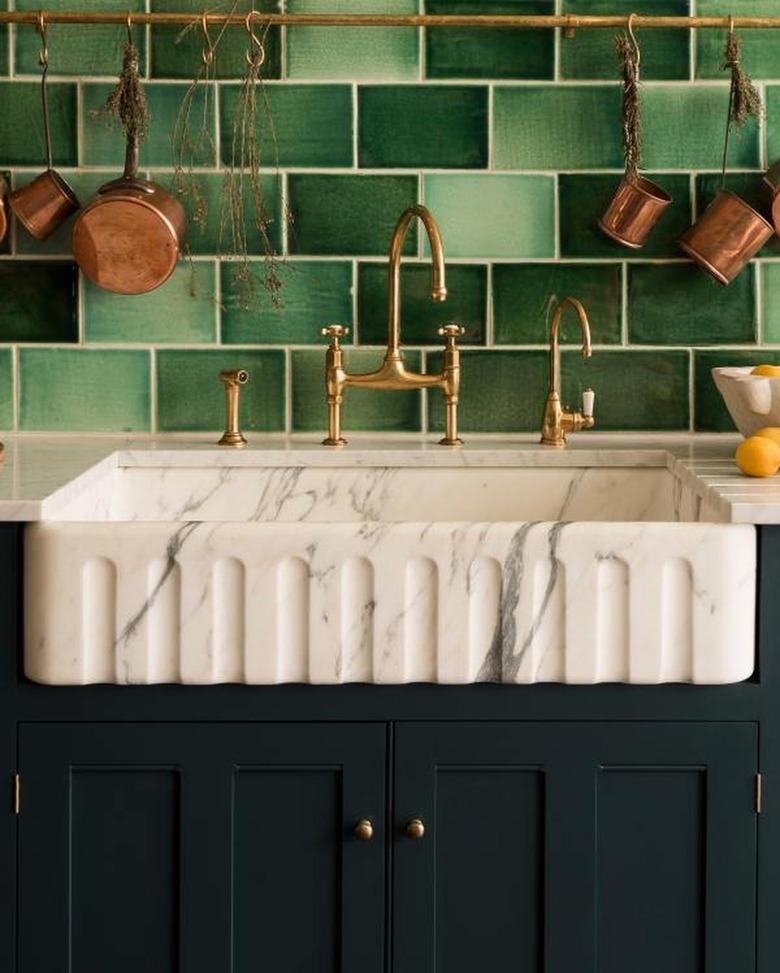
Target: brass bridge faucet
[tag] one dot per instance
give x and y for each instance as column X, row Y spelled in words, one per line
column 392, row 373
column 557, row 421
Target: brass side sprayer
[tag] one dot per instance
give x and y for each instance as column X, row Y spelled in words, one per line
column 233, row 379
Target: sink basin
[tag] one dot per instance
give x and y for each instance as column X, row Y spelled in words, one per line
column 267, row 567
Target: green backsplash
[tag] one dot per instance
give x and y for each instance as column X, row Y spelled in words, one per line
column 511, row 137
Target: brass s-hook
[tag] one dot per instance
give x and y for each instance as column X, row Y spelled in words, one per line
column 129, row 23
column 255, row 57
column 43, row 54
column 634, row 41
column 207, row 54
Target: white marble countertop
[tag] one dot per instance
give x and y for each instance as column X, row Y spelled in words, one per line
column 37, row 466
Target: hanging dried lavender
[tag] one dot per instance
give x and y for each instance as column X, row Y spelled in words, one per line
column 127, row 102
column 745, row 100
column 628, row 54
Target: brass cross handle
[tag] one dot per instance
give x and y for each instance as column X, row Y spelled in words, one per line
column 335, row 332
column 364, row 830
column 451, row 332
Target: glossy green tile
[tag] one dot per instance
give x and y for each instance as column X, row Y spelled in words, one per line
column 75, row 49
column 314, row 294
column 770, row 292
column 524, row 296
column 421, row 317
column 103, row 142
column 84, row 390
column 760, row 48
column 305, row 124
column 501, row 391
column 642, row 390
column 40, row 301
column 749, row 186
column 6, row 389
column 210, row 235
column 679, row 304
column 85, row 185
column 5, row 243
column 21, row 123
column 352, row 52
column 457, row 52
column 583, row 199
column 183, row 310
column 710, row 414
column 683, row 127
column 557, row 127
column 177, row 54
column 591, row 53
column 363, row 409
column 444, row 126
column 348, row 214
column 494, row 215
column 189, row 393
column 3, row 50
column 772, row 123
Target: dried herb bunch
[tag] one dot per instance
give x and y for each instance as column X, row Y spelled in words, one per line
column 126, row 102
column 628, row 55
column 745, row 100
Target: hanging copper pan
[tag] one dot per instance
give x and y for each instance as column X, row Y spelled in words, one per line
column 128, row 239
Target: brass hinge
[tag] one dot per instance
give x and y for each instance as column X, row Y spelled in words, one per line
column 759, row 793
column 17, row 794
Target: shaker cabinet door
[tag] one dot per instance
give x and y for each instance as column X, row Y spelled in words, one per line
column 173, row 848
column 554, row 848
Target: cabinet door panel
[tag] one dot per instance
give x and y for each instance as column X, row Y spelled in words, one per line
column 613, row 847
column 192, row 848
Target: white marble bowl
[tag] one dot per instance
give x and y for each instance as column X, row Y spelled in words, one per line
column 753, row 401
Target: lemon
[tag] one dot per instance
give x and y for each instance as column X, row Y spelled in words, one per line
column 768, row 371
column 758, row 456
column 769, row 432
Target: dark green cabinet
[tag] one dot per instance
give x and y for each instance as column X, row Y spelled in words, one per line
column 534, row 847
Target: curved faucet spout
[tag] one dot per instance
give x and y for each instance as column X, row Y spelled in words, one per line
column 555, row 360
column 438, row 285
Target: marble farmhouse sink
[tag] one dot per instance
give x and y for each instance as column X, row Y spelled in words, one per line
column 387, row 566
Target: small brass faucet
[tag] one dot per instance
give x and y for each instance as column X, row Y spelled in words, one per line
column 557, row 421
column 233, row 379
column 392, row 373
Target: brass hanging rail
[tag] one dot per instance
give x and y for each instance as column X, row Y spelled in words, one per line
column 570, row 21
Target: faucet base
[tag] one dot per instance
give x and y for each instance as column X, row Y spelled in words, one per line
column 329, row 441
column 457, row 441
column 232, row 439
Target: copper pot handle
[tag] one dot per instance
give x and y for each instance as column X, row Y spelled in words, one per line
column 129, row 179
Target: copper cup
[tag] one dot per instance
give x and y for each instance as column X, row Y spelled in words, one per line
column 43, row 204
column 726, row 236
column 636, row 207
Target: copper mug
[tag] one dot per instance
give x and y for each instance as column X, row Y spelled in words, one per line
column 636, row 207
column 43, row 204
column 727, row 234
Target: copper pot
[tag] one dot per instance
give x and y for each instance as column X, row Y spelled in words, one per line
column 127, row 240
column 772, row 187
column 3, row 210
column 636, row 207
column 726, row 236
column 44, row 204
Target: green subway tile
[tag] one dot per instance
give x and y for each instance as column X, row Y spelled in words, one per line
column 770, row 290
column 183, row 310
column 21, row 123
column 710, row 414
column 104, row 141
column 642, row 390
column 772, row 98
column 304, row 124
column 679, row 304
column 190, row 396
column 502, row 52
column 591, row 53
column 314, row 294
column 85, row 185
column 501, row 391
column 749, row 186
column 40, row 301
column 178, row 54
column 5, row 243
column 420, row 316
column 3, row 50
column 444, row 127
column 494, row 215
column 760, row 48
column 209, row 234
column 75, row 49
column 557, row 127
column 84, row 390
column 524, row 296
column 6, row 389
column 352, row 52
column 363, row 409
column 349, row 214
column 683, row 127
column 583, row 200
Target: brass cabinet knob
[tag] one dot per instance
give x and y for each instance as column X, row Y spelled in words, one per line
column 364, row 830
column 415, row 829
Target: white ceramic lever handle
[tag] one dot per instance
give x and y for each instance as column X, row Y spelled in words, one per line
column 588, row 401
